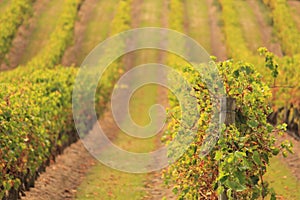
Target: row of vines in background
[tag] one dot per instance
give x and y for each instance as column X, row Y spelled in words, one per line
column 284, row 76
column 236, row 165
column 35, row 120
column 285, row 26
column 35, row 110
column 120, row 23
column 238, row 49
column 236, row 44
column 10, row 20
column 36, row 105
column 60, row 38
column 286, row 93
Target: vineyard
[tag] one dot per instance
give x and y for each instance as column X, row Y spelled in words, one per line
column 239, row 113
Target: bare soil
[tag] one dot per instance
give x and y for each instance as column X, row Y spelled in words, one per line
column 293, row 160
column 217, row 38
column 128, row 60
column 154, row 186
column 71, row 54
column 269, row 40
column 20, row 41
column 62, row 177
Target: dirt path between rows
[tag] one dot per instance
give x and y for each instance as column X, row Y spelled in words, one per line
column 20, row 41
column 71, row 54
column 295, row 8
column 217, row 37
column 265, row 29
column 128, row 60
column 154, row 185
column 293, row 160
column 63, row 177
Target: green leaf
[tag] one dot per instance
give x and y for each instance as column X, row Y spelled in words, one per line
column 256, row 158
column 229, row 193
column 239, row 154
column 254, row 179
column 175, row 190
column 270, row 128
column 230, row 159
column 236, row 74
column 273, row 194
column 252, row 123
column 218, row 155
column 241, row 177
column 235, row 186
column 223, row 179
column 275, row 151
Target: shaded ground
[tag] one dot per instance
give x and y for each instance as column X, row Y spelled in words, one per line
column 62, row 178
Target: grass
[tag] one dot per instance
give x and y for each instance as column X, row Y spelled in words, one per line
column 282, row 180
column 198, row 23
column 103, row 182
column 46, row 20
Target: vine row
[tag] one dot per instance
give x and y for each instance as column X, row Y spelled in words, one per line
column 236, row 165
column 36, row 120
column 60, row 38
column 285, row 26
column 10, row 20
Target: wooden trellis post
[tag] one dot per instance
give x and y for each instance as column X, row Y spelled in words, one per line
column 228, row 116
